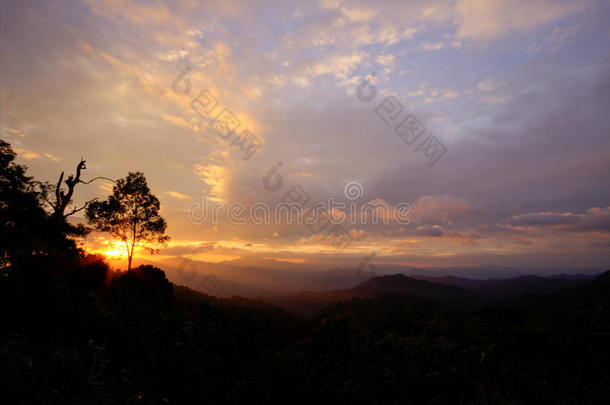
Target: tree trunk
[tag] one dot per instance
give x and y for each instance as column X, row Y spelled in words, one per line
column 130, row 253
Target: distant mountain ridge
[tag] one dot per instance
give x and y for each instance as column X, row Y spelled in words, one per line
column 258, row 277
column 430, row 294
column 449, row 296
column 506, row 289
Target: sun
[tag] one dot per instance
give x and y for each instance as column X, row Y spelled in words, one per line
column 115, row 250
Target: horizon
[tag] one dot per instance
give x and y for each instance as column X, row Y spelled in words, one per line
column 234, row 278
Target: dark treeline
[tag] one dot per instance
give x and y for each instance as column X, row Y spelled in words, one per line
column 75, row 332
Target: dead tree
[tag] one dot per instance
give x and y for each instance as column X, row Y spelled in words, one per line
column 63, row 198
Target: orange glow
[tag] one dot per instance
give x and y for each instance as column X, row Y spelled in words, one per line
column 285, row 259
column 113, row 250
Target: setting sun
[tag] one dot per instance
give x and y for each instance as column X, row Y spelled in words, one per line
column 113, row 249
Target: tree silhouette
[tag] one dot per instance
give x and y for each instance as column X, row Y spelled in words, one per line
column 131, row 213
column 22, row 220
column 58, row 199
column 28, row 232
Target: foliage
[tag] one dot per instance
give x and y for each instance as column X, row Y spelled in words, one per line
column 95, row 336
column 27, row 231
column 131, row 214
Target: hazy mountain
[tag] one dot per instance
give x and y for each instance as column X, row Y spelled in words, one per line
column 594, row 292
column 271, row 278
column 258, row 262
column 312, row 301
column 257, row 277
column 489, row 271
column 506, row 289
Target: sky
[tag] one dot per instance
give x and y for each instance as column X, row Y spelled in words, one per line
column 480, row 127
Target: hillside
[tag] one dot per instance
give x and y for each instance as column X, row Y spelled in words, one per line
column 494, row 290
column 309, row 302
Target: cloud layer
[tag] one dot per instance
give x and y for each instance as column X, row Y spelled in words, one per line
column 517, row 93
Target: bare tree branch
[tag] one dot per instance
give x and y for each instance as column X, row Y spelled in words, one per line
column 58, row 192
column 75, row 210
column 64, row 198
column 97, row 178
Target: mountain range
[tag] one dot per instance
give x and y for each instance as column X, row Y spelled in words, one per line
column 299, row 287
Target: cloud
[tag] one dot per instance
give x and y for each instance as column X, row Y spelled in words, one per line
column 385, row 60
column 214, row 176
column 432, row 46
column 338, row 65
column 52, row 157
column 330, row 4
column 358, row 14
column 450, row 93
column 487, row 85
column 489, row 20
column 302, row 81
column 443, row 208
column 430, row 230
column 137, row 14
column 17, row 132
column 179, row 121
column 182, row 247
column 526, row 136
column 179, row 196
column 593, row 220
column 27, row 154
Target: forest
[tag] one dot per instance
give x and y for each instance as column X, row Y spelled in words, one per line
column 75, row 331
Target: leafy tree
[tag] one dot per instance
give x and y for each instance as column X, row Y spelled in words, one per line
column 131, row 213
column 28, row 231
column 22, row 219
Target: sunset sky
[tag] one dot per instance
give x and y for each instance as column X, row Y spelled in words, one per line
column 518, row 92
